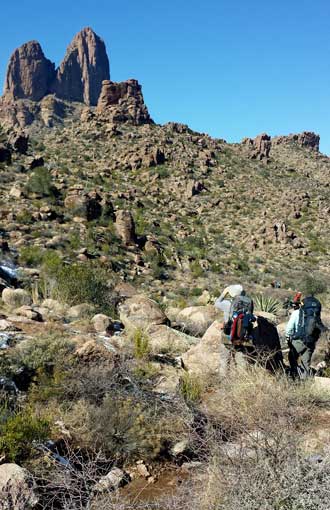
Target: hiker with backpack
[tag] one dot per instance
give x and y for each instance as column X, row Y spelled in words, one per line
column 237, row 308
column 303, row 331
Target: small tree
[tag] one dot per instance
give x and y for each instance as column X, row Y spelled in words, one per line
column 312, row 284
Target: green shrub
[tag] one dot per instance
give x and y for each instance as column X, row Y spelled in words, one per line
column 267, row 304
column 191, row 388
column 196, row 269
column 31, row 256
column 19, row 432
column 50, row 350
column 312, row 284
column 81, row 283
column 141, row 344
column 41, row 183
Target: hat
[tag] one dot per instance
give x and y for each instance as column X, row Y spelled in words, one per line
column 297, row 298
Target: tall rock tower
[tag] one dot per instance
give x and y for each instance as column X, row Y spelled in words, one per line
column 29, row 74
column 84, row 67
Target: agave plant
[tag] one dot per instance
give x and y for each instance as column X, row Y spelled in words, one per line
column 267, row 304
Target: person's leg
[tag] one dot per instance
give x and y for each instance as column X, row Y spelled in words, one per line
column 293, row 360
column 305, row 363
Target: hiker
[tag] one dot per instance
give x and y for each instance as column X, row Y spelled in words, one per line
column 223, row 302
column 303, row 331
column 237, row 308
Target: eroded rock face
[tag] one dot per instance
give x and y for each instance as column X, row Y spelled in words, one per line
column 85, row 66
column 123, row 102
column 29, row 74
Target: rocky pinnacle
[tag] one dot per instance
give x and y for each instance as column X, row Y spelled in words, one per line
column 84, row 67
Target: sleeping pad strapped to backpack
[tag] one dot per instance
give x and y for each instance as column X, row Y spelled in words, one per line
column 240, row 325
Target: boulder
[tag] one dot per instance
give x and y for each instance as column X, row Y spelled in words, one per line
column 196, row 319
column 102, row 323
column 52, row 309
column 83, row 69
column 209, row 357
column 15, row 298
column 92, row 351
column 17, row 488
column 141, row 312
column 167, row 340
column 167, row 380
column 28, row 312
column 113, row 480
column 80, row 311
column 125, row 227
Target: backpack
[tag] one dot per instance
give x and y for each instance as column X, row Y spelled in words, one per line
column 241, row 304
column 310, row 324
column 241, row 313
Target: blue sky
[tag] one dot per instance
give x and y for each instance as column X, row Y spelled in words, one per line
column 229, row 68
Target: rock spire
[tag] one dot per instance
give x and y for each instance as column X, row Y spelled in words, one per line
column 84, row 67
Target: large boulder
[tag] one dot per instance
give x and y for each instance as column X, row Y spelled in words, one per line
column 167, row 340
column 15, row 298
column 102, row 323
column 209, row 357
column 125, row 227
column 17, row 488
column 141, row 312
column 197, row 319
column 85, row 66
column 29, row 74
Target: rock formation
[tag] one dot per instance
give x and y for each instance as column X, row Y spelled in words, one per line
column 85, row 66
column 123, row 102
column 306, row 139
column 125, row 227
column 259, row 147
column 30, row 74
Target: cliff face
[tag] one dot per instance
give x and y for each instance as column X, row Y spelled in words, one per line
column 79, row 78
column 85, row 66
column 30, row 74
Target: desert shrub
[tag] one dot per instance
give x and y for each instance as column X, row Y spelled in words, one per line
column 267, row 304
column 81, row 283
column 50, row 350
column 141, row 344
column 196, row 292
column 312, row 284
column 191, row 388
column 255, row 438
column 196, row 269
column 24, row 217
column 41, row 183
column 31, row 256
column 18, row 433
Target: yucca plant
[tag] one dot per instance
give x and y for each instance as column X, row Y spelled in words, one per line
column 267, row 304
